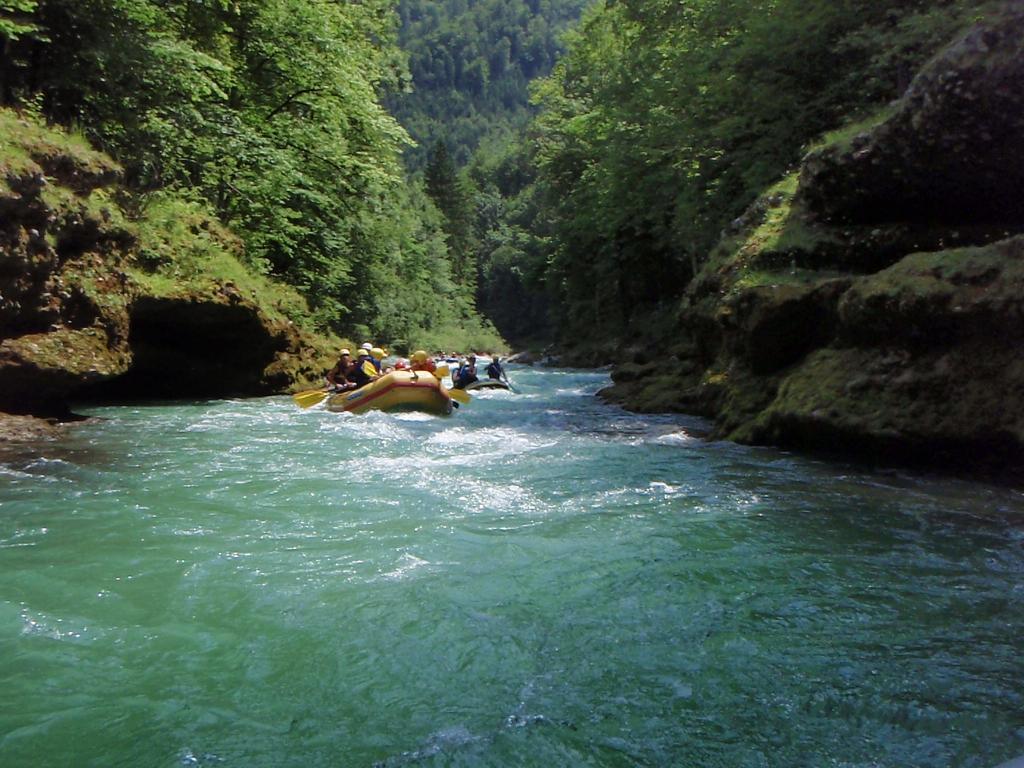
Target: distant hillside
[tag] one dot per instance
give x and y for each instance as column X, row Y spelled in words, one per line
column 470, row 63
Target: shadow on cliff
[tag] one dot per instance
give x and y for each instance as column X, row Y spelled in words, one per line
column 182, row 349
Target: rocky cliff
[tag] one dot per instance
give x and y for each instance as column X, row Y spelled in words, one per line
column 105, row 294
column 872, row 302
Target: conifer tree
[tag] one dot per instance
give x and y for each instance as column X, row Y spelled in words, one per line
column 452, row 197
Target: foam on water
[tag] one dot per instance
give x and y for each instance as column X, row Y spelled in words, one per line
column 12, row 472
column 676, row 438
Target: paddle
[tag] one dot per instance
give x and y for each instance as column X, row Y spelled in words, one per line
column 442, row 371
column 459, row 395
column 310, row 397
column 504, row 377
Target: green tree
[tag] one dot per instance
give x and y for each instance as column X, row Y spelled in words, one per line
column 664, row 120
column 16, row 23
column 268, row 110
column 511, row 247
column 469, row 66
column 16, row 19
column 453, row 200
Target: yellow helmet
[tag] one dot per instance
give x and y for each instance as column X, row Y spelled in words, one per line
column 344, row 352
column 419, row 356
column 377, row 353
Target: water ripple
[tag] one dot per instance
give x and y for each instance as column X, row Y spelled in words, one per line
column 538, row 580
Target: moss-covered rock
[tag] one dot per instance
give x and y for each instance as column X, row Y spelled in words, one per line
column 770, row 327
column 934, row 300
column 949, row 154
column 37, row 371
column 872, row 302
column 954, row 407
column 97, row 302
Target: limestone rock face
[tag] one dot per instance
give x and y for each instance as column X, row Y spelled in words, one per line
column 873, row 302
column 77, row 317
column 25, row 429
column 54, row 334
column 926, row 365
column 950, row 154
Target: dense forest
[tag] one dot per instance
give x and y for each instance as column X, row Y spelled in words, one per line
column 470, row 65
column 659, row 125
column 267, row 114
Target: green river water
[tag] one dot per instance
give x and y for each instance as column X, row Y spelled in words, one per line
column 539, row 580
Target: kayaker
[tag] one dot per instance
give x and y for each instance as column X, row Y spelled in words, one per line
column 466, row 373
column 420, row 362
column 338, row 377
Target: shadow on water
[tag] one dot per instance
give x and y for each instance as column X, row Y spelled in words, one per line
column 44, row 457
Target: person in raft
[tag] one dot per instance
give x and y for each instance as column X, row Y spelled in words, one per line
column 494, row 370
column 358, row 373
column 420, row 362
column 378, row 361
column 338, row 377
column 466, row 373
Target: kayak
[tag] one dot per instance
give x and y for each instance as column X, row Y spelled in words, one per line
column 486, row 384
column 396, row 391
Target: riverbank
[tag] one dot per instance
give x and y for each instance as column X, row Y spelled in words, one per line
column 15, row 430
column 869, row 304
column 109, row 294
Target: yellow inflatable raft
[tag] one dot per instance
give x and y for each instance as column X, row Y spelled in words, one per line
column 396, row 391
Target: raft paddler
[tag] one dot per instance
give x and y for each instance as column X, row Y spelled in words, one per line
column 466, row 373
column 359, row 372
column 421, row 362
column 338, row 378
column 494, row 370
column 377, row 358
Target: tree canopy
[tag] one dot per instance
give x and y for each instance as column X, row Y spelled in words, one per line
column 658, row 124
column 470, row 65
column 664, row 120
column 270, row 112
